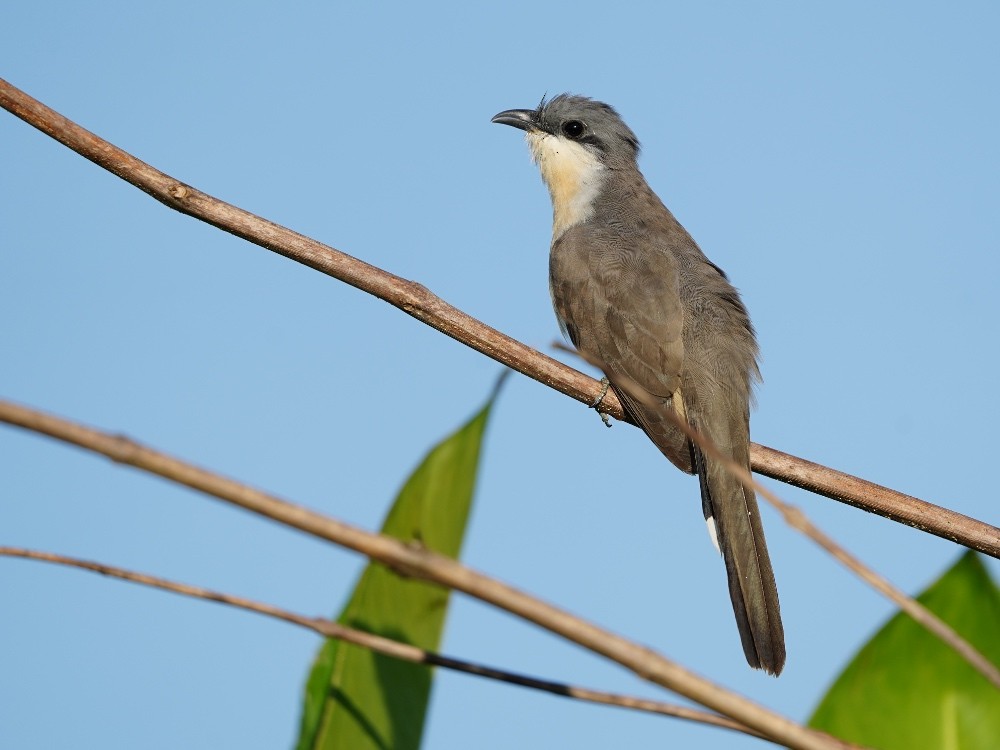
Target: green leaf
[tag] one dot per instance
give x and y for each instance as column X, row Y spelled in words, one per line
column 356, row 699
column 906, row 689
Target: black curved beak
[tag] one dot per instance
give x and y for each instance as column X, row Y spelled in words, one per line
column 523, row 119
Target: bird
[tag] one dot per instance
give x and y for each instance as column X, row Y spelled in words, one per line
column 637, row 297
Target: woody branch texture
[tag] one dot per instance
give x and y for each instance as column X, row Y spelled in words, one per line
column 417, row 301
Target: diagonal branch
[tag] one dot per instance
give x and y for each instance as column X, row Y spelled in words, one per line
column 923, row 616
column 417, row 562
column 387, row 646
column 798, row 520
column 419, row 302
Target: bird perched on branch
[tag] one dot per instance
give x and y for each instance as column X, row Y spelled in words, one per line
column 639, row 299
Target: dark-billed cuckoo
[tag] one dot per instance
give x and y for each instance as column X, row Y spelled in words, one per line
column 639, row 299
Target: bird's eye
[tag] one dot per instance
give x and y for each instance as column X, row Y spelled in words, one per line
column 573, row 128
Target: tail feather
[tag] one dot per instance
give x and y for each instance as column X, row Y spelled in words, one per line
column 730, row 508
column 751, row 580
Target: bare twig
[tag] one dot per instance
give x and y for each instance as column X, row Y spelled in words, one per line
column 387, row 646
column 418, row 562
column 799, row 521
column 419, row 302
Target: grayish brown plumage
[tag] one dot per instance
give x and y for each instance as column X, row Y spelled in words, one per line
column 636, row 295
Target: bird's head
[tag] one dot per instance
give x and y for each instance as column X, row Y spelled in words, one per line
column 567, row 120
column 575, row 141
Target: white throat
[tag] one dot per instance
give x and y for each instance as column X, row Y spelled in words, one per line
column 573, row 174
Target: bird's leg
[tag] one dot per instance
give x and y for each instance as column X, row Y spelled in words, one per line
column 597, row 402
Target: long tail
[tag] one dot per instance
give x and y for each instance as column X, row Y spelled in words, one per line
column 730, row 509
column 733, row 511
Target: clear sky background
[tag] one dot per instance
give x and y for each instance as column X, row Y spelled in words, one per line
column 841, row 162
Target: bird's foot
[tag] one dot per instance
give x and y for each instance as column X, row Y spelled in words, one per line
column 597, row 402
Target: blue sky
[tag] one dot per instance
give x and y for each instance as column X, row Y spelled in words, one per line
column 840, row 162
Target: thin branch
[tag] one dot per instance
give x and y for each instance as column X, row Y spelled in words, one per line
column 799, row 521
column 387, row 646
column 418, row 562
column 419, row 302
column 923, row 616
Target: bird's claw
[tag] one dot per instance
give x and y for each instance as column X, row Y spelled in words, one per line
column 597, row 402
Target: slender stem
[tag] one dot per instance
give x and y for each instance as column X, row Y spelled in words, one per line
column 923, row 616
column 799, row 521
column 386, row 646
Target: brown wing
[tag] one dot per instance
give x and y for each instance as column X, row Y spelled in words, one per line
column 619, row 303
